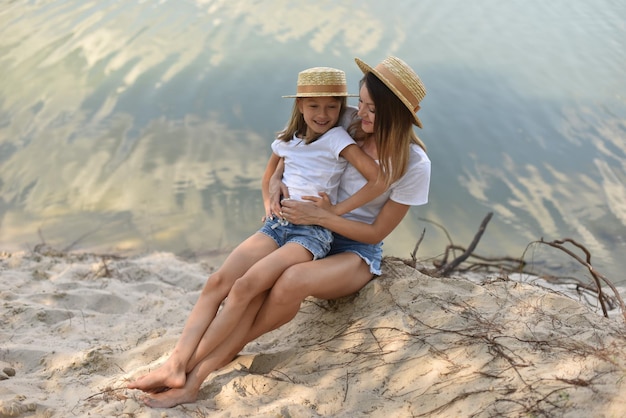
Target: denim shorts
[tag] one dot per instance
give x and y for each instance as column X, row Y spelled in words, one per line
column 312, row 237
column 372, row 254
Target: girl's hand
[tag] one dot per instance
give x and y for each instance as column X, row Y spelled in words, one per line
column 268, row 215
column 321, row 201
column 277, row 192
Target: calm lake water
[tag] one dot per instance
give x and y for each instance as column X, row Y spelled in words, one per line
column 135, row 126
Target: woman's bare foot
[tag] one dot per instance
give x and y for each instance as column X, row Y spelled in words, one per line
column 171, row 398
column 166, row 376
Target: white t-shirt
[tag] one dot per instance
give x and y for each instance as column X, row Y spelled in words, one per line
column 411, row 189
column 315, row 167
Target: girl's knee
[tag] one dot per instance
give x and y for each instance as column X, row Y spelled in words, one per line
column 289, row 286
column 217, row 283
column 291, row 276
column 243, row 291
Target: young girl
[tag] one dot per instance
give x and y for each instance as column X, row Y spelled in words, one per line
column 315, row 152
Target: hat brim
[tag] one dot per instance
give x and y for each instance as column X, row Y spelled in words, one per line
column 367, row 69
column 292, row 96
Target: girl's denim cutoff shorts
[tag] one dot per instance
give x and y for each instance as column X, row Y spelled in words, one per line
column 312, row 237
column 372, row 254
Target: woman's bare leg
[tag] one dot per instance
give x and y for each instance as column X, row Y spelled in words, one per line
column 172, row 373
column 332, row 277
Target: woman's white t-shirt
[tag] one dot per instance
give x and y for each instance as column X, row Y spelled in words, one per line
column 411, row 189
column 315, row 167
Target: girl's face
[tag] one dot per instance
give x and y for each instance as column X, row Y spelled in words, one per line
column 320, row 114
column 367, row 110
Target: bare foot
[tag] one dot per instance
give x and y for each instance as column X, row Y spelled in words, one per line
column 171, row 398
column 166, row 376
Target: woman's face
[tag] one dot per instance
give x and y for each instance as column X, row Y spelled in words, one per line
column 367, row 110
column 320, row 114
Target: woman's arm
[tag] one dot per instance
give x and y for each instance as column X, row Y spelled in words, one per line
column 368, row 169
column 303, row 213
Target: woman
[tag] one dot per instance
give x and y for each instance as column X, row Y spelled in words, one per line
column 388, row 101
column 314, row 151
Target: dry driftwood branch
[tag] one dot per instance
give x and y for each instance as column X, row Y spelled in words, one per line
column 417, row 245
column 511, row 264
column 443, row 228
column 449, row 267
column 597, row 277
column 506, row 264
column 582, row 288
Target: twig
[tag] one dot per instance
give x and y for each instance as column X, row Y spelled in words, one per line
column 446, row 269
column 419, row 241
column 445, row 231
column 105, row 391
column 597, row 277
column 345, row 393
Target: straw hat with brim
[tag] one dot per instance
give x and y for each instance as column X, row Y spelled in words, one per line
column 322, row 82
column 401, row 80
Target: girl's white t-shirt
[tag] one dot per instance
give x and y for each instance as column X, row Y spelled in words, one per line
column 315, row 167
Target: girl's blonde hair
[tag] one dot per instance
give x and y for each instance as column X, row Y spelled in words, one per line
column 393, row 129
column 297, row 125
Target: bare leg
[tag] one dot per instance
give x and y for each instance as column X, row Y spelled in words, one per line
column 255, row 281
column 217, row 359
column 343, row 275
column 172, row 373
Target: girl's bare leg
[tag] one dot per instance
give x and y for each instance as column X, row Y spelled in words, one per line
column 172, row 374
column 343, row 274
column 259, row 278
column 217, row 359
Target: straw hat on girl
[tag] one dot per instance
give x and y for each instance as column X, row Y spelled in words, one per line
column 401, row 80
column 322, row 82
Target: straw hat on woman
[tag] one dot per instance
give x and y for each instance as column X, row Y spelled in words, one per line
column 401, row 79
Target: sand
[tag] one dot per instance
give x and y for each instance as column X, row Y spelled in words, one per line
column 76, row 327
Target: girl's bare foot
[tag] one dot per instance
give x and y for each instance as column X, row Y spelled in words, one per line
column 166, row 376
column 171, row 398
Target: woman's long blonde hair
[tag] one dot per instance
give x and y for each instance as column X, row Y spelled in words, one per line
column 297, row 125
column 393, row 129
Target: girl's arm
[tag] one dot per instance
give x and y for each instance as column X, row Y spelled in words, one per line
column 277, row 189
column 303, row 213
column 270, row 169
column 368, row 169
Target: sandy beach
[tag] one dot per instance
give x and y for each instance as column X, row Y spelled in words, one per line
column 76, row 327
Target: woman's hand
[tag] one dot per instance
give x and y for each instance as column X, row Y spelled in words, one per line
column 305, row 213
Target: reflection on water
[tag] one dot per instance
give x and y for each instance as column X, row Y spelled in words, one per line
column 144, row 125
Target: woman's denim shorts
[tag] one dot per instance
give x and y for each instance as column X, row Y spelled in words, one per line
column 372, row 254
column 312, row 237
